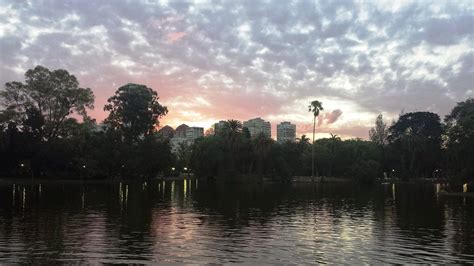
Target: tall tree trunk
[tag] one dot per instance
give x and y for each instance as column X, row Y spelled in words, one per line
column 312, row 146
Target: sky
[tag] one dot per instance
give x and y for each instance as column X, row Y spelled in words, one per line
column 216, row 60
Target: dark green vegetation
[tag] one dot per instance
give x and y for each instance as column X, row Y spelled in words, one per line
column 40, row 136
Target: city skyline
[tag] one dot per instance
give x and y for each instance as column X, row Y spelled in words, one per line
column 210, row 61
column 237, row 131
column 288, row 129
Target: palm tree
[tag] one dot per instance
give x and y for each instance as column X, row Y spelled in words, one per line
column 303, row 140
column 232, row 125
column 232, row 132
column 315, row 107
column 302, row 143
column 334, row 137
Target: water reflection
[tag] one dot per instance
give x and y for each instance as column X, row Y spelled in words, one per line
column 184, row 189
column 126, row 195
column 83, row 198
column 23, row 199
column 14, row 191
column 393, row 192
column 181, row 222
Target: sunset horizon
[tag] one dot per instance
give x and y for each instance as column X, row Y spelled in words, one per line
column 209, row 61
column 255, row 132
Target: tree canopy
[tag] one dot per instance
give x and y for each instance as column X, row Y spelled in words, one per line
column 41, row 135
column 134, row 110
column 379, row 133
column 460, row 139
column 416, row 139
column 45, row 100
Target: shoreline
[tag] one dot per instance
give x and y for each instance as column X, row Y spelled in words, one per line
column 8, row 181
column 294, row 179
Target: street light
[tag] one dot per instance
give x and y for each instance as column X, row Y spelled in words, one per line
column 185, row 169
column 84, row 166
column 22, row 165
column 172, row 168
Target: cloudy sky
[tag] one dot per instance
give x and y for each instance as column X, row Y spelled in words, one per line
column 213, row 60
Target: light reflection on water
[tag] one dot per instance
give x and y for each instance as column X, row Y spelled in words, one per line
column 186, row 223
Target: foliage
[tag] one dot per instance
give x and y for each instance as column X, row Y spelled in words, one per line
column 315, row 107
column 262, row 148
column 39, row 138
column 183, row 156
column 460, row 140
column 379, row 133
column 44, row 102
column 134, row 110
column 263, row 157
column 211, row 148
column 365, row 171
column 416, row 140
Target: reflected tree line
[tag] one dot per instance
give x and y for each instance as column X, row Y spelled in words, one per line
column 72, row 216
column 45, row 132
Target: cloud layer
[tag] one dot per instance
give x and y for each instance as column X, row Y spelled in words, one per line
column 214, row 60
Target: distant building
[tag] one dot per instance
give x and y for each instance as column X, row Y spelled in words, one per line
column 258, row 126
column 176, row 141
column 286, row 131
column 99, row 127
column 167, row 132
column 180, row 131
column 185, row 135
column 219, row 126
column 194, row 132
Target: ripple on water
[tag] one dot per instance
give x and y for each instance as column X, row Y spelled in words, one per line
column 94, row 224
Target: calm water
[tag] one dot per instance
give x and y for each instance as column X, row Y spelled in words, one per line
column 190, row 222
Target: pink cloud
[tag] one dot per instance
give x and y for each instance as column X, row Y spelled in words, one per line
column 328, row 118
column 349, row 131
column 173, row 37
column 332, row 117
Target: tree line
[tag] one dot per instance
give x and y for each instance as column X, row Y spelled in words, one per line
column 45, row 132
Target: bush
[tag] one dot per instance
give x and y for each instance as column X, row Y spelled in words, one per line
column 365, row 172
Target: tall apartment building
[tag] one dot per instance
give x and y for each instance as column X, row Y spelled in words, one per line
column 180, row 131
column 218, row 126
column 194, row 132
column 185, row 135
column 286, row 131
column 167, row 132
column 258, row 126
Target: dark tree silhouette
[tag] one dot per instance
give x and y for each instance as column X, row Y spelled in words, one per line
column 460, row 140
column 45, row 100
column 315, row 107
column 134, row 110
column 416, row 138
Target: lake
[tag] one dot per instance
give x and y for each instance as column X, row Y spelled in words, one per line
column 197, row 222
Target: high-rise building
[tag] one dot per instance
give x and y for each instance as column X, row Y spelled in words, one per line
column 194, row 132
column 185, row 135
column 167, row 132
column 219, row 126
column 286, row 131
column 180, row 131
column 258, row 126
